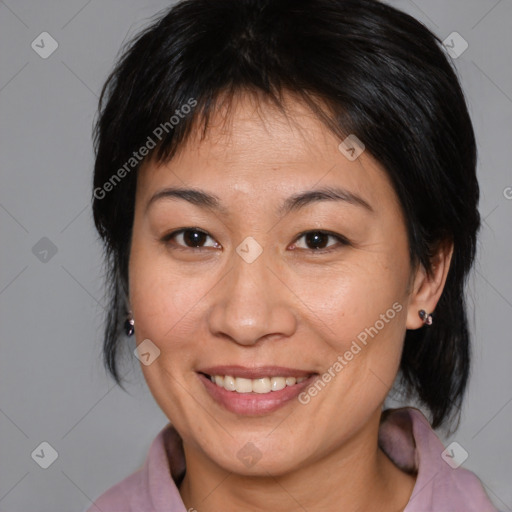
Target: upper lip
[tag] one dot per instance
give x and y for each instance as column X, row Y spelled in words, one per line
column 255, row 372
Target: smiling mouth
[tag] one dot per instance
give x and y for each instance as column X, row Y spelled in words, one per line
column 261, row 385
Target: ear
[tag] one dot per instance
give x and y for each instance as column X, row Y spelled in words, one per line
column 427, row 289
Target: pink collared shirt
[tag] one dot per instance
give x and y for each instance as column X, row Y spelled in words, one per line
column 405, row 435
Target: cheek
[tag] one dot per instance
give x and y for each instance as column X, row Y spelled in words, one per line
column 163, row 300
column 359, row 316
column 350, row 298
column 165, row 305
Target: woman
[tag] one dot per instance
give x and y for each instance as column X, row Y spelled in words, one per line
column 287, row 195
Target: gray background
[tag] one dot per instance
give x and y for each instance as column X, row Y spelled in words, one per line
column 53, row 386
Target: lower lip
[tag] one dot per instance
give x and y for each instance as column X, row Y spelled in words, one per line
column 253, row 403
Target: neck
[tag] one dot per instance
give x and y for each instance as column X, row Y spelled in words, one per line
column 353, row 477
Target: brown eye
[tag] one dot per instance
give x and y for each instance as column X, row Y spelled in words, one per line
column 190, row 238
column 318, row 240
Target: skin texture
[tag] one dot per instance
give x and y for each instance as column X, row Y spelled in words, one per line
column 290, row 307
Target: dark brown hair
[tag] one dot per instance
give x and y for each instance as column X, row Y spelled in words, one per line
column 383, row 76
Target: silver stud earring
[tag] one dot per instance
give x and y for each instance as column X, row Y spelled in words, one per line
column 129, row 324
column 427, row 319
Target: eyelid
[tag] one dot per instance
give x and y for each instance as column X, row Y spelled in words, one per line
column 166, row 239
column 344, row 241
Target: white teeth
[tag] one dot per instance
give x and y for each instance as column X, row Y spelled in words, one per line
column 229, row 383
column 243, row 385
column 263, row 385
column 277, row 383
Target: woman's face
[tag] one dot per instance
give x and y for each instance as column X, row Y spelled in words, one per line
column 249, row 289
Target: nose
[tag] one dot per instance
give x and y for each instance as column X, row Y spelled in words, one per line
column 252, row 302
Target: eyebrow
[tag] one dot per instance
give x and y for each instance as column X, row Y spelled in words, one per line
column 293, row 203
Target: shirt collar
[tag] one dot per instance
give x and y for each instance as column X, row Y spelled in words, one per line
column 405, row 435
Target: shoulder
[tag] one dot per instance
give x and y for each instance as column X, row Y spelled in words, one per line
column 152, row 488
column 124, row 496
column 409, row 440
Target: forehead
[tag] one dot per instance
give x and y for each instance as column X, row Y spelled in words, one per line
column 252, row 150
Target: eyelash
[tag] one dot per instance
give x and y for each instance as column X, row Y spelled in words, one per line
column 167, row 240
